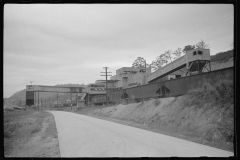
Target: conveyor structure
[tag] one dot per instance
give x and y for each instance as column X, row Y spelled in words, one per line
column 32, row 90
column 193, row 61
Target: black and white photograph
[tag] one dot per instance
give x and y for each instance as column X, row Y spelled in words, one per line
column 118, row 80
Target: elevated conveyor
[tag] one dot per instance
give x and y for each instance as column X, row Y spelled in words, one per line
column 32, row 90
column 41, row 88
column 194, row 60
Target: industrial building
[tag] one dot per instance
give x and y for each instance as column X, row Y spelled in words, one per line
column 193, row 62
column 127, row 77
column 96, row 89
column 129, row 83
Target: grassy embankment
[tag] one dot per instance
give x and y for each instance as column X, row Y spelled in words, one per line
column 30, row 134
column 205, row 115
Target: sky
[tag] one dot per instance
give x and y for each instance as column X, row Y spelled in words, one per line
column 50, row 44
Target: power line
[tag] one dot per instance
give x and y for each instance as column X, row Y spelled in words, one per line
column 185, row 37
column 216, row 22
column 45, row 81
column 194, row 32
column 65, row 79
column 212, row 38
column 11, row 40
column 219, row 36
column 15, row 86
column 14, row 23
column 227, row 40
column 24, row 30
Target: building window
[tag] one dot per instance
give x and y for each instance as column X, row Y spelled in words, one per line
column 194, row 53
column 178, row 76
column 200, row 52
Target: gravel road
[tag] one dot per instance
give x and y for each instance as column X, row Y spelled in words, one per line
column 83, row 136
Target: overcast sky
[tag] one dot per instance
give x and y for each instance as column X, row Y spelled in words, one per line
column 71, row 43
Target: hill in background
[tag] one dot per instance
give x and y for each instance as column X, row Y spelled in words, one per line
column 222, row 60
column 222, row 56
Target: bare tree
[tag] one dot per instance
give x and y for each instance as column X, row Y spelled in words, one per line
column 140, row 62
column 202, row 45
column 158, row 62
column 177, row 53
column 168, row 56
column 155, row 65
column 187, row 48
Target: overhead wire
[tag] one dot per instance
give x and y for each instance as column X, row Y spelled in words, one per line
column 227, row 40
column 47, row 81
column 219, row 36
column 65, row 79
column 15, row 86
column 24, row 30
column 15, row 27
column 14, row 23
column 215, row 21
column 194, row 32
column 184, row 38
column 10, row 40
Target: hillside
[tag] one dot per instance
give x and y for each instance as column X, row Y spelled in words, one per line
column 204, row 115
column 222, row 56
column 222, row 60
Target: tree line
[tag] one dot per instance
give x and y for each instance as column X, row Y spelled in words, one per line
column 168, row 56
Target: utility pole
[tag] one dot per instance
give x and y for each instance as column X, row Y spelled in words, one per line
column 49, row 103
column 71, row 101
column 33, row 95
column 38, row 100
column 35, row 99
column 41, row 104
column 88, row 96
column 106, row 74
column 57, row 100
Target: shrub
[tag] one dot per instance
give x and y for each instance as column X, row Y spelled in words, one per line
column 137, row 100
column 11, row 128
column 9, row 131
column 221, row 92
column 35, row 128
column 157, row 102
column 225, row 90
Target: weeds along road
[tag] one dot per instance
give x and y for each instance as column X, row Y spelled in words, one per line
column 83, row 136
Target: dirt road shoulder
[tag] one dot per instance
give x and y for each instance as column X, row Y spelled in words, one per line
column 30, row 134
